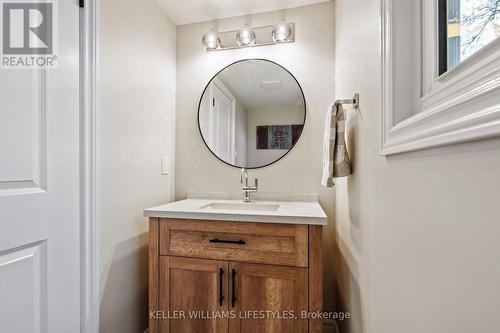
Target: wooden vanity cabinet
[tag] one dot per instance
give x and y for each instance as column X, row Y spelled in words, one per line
column 187, row 284
column 234, row 276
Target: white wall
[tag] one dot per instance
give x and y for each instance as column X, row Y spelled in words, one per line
column 310, row 59
column 135, row 127
column 417, row 233
column 266, row 117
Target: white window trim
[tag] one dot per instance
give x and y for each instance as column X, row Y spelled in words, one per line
column 461, row 105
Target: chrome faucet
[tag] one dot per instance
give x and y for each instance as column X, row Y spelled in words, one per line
column 248, row 189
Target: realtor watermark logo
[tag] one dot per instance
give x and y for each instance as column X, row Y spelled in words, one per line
column 29, row 34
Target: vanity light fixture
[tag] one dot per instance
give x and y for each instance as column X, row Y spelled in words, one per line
column 282, row 32
column 211, row 40
column 245, row 36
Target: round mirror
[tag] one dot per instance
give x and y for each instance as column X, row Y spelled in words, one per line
column 252, row 113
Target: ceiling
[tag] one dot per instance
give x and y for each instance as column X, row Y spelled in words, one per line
column 191, row 11
column 246, row 80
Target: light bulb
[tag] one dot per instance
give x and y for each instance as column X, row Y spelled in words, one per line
column 211, row 40
column 245, row 36
column 282, row 32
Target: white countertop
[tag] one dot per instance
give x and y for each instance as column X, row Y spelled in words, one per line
column 200, row 209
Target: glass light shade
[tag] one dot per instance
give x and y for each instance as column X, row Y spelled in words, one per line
column 211, row 40
column 282, row 32
column 245, row 36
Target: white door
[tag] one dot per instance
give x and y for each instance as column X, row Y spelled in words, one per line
column 39, row 190
column 223, row 124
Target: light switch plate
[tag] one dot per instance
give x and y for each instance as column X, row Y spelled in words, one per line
column 164, row 165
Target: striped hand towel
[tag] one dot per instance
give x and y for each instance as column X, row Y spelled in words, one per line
column 336, row 161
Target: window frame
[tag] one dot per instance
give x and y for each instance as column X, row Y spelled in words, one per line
column 420, row 108
column 442, row 36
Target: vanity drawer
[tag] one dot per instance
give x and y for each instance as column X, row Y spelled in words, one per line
column 279, row 244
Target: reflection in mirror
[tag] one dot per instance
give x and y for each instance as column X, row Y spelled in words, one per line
column 252, row 113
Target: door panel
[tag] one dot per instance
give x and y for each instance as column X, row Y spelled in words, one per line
column 21, row 125
column 39, row 190
column 282, row 290
column 189, row 285
column 223, row 124
column 22, row 283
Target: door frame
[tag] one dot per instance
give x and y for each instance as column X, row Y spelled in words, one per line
column 89, row 258
column 225, row 90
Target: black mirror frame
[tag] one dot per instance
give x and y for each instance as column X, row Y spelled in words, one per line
column 206, row 87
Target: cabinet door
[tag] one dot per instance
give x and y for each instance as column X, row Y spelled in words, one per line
column 265, row 297
column 192, row 287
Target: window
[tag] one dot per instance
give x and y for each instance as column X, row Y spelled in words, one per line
column 440, row 73
column 465, row 27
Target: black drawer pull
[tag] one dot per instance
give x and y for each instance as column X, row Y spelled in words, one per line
column 233, row 280
column 239, row 242
column 221, row 292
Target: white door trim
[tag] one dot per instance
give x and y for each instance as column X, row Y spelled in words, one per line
column 89, row 290
column 231, row 96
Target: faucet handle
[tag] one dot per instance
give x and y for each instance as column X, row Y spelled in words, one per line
column 256, row 182
column 241, row 175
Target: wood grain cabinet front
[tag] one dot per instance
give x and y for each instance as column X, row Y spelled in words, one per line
column 284, row 244
column 268, row 298
column 218, row 276
column 190, row 290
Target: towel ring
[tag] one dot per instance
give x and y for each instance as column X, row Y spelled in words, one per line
column 354, row 101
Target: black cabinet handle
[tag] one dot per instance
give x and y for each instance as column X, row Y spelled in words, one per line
column 216, row 240
column 233, row 280
column 221, row 292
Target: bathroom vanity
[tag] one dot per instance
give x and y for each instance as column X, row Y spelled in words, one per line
column 233, row 266
column 239, row 267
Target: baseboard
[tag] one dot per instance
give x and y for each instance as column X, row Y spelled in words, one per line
column 330, row 326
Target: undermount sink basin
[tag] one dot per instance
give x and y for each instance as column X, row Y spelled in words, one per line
column 242, row 206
